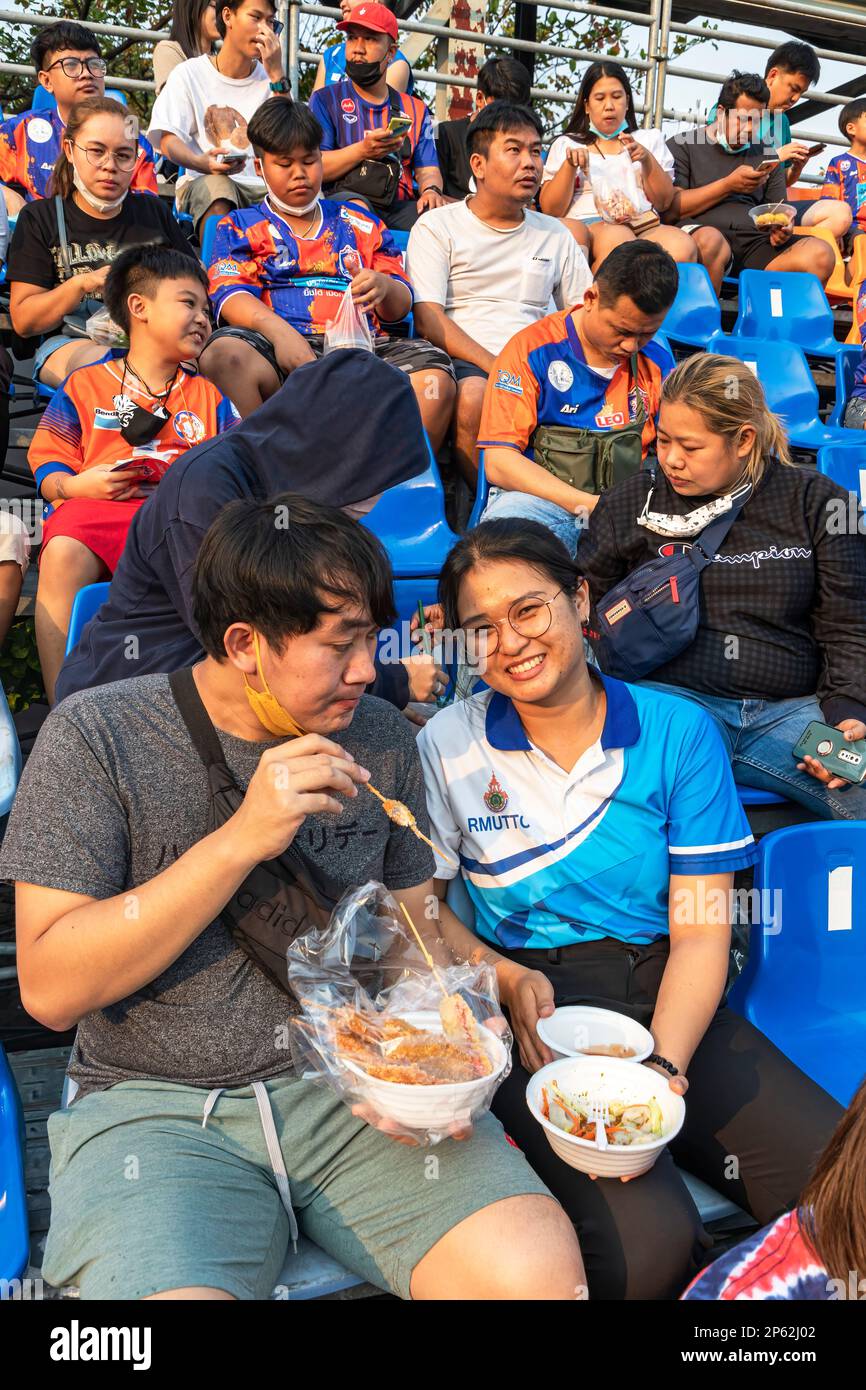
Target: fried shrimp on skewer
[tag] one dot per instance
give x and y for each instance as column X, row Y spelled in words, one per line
column 400, row 814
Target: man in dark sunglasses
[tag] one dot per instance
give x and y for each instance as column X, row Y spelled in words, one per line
column 69, row 67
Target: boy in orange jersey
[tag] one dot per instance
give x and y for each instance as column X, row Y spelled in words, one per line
column 279, row 270
column 113, row 428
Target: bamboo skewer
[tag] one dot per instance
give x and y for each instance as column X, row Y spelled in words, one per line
column 425, row 952
column 412, row 825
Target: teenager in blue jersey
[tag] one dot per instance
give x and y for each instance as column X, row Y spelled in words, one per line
column 356, row 115
column 598, row 830
column 332, row 64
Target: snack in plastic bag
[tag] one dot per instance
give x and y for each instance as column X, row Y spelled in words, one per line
column 348, row 329
column 389, row 1033
column 616, row 191
column 102, row 329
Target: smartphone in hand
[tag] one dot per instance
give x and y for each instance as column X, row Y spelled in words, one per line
column 840, row 756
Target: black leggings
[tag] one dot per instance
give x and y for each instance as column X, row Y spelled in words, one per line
column 754, row 1126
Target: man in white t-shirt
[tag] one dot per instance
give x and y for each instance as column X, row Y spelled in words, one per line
column 199, row 120
column 485, row 268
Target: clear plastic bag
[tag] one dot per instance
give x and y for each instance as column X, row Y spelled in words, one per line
column 102, row 329
column 421, row 1050
column 616, row 189
column 348, row 329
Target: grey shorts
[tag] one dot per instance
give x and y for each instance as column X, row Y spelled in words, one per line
column 196, row 195
column 409, row 354
column 145, row 1199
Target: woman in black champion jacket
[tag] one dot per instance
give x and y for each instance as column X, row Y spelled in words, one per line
column 781, row 639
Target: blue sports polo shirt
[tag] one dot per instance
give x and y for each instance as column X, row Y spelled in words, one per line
column 553, row 858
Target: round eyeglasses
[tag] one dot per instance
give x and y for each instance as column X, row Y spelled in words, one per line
column 74, row 67
column 99, row 156
column 528, row 617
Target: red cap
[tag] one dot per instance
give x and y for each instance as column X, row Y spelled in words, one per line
column 377, row 18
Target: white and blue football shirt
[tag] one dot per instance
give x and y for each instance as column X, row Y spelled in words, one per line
column 553, row 858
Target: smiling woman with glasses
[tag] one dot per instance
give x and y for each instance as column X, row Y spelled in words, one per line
column 598, row 829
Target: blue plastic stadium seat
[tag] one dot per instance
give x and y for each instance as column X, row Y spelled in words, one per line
column 14, row 1233
column 804, row 984
column 847, row 360
column 789, row 387
column 207, row 240
column 400, row 239
column 87, row 601
column 790, row 306
column 846, row 465
column 410, row 522
column 482, row 492
column 46, row 101
column 754, row 796
column 695, row 315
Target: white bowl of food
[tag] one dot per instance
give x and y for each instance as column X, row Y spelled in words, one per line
column 769, row 216
column 427, row 1105
column 645, row 1113
column 579, row 1030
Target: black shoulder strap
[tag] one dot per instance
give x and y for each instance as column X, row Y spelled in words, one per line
column 196, row 718
column 707, row 544
column 61, row 232
column 395, row 103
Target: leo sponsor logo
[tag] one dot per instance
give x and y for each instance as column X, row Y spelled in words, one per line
column 609, row 419
column 508, row 381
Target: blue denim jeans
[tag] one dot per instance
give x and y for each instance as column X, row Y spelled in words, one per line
column 759, row 736
column 501, row 504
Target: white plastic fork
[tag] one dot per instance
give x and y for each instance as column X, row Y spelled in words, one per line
column 600, row 1116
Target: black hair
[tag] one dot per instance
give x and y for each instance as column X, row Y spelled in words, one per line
column 496, row 117
column 514, row 539
column 641, row 270
column 578, row 126
column 504, row 79
column 281, row 564
column 139, row 269
column 186, row 17
column 743, row 84
column 280, row 124
column 851, row 111
column 55, row 37
column 794, row 56
column 234, row 6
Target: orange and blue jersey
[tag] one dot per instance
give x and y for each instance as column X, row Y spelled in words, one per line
column 301, row 279
column 845, row 178
column 859, row 387
column 80, row 427
column 541, row 377
column 345, row 118
column 30, row 145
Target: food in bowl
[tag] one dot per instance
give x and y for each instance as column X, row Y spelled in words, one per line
column 769, row 216
column 393, row 1049
column 640, row 1123
column 608, row 1050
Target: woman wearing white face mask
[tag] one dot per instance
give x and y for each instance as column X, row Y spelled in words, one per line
column 603, row 162
column 63, row 244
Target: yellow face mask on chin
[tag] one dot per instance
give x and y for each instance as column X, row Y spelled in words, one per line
column 266, row 707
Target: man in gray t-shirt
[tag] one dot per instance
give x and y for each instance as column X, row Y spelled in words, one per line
column 191, row 1150
column 722, row 171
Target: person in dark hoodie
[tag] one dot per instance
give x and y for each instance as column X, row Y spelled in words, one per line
column 340, row 431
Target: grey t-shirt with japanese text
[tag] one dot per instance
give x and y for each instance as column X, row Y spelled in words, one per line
column 114, row 792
